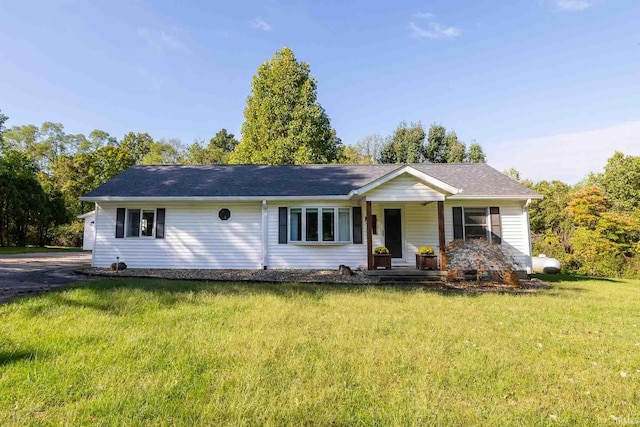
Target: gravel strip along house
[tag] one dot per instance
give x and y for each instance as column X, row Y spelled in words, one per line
column 303, row 217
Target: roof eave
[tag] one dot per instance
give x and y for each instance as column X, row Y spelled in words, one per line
column 500, row 197
column 98, row 199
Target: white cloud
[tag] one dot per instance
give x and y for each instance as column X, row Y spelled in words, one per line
column 259, row 24
column 162, row 41
column 568, row 157
column 434, row 31
column 572, row 5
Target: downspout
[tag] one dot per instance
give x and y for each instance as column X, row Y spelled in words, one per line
column 265, row 255
column 525, row 211
column 95, row 236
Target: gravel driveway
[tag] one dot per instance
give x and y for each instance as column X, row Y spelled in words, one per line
column 38, row 272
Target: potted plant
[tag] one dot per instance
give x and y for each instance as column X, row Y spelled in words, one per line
column 426, row 258
column 381, row 258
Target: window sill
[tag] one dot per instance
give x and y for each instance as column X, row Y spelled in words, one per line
column 320, row 243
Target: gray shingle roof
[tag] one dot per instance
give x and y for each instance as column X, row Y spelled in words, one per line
column 304, row 180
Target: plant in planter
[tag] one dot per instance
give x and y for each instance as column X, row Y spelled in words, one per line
column 426, row 258
column 381, row 258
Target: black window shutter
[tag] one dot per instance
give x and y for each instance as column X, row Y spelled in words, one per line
column 357, row 225
column 160, row 223
column 282, row 225
column 496, row 229
column 120, row 223
column 457, row 224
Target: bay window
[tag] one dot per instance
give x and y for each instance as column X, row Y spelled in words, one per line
column 320, row 224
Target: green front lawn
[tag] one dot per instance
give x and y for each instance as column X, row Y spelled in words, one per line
column 134, row 352
column 11, row 250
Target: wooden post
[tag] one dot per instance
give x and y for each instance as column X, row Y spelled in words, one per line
column 441, row 241
column 369, row 237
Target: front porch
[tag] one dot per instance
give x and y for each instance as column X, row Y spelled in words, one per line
column 403, row 228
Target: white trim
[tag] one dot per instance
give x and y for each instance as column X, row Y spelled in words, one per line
column 140, row 236
column 265, row 235
column 341, row 243
column 86, row 215
column 525, row 215
column 336, row 225
column 471, row 197
column 95, row 237
column 210, row 198
column 411, row 171
column 487, row 227
column 405, row 199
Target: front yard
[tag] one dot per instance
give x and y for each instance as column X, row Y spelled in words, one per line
column 133, row 351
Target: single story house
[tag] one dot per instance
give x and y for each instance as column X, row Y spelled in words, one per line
column 89, row 234
column 306, row 216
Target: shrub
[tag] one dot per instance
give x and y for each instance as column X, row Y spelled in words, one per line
column 381, row 250
column 481, row 256
column 69, row 235
column 426, row 250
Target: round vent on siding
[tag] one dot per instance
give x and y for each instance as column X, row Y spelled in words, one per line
column 224, row 214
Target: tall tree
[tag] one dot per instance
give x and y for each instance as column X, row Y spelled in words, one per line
column 3, row 129
column 621, row 181
column 405, row 145
column 163, row 152
column 437, row 149
column 284, row 122
column 217, row 151
column 21, row 197
column 457, row 150
column 476, row 154
column 22, row 138
column 138, row 144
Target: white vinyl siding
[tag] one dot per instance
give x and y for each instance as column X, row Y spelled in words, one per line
column 515, row 237
column 195, row 238
column 420, row 227
column 313, row 255
column 404, row 188
column 89, row 233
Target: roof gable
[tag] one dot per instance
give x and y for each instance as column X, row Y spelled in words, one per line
column 405, row 187
column 443, row 187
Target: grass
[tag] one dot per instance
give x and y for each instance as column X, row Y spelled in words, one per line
column 135, row 352
column 12, row 250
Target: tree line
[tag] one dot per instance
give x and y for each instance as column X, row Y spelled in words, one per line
column 592, row 227
column 44, row 169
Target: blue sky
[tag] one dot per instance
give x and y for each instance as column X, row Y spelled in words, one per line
column 533, row 81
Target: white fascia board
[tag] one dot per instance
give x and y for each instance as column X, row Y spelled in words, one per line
column 463, row 197
column 86, row 215
column 405, row 199
column 210, row 199
column 411, row 171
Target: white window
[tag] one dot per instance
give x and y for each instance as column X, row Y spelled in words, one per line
column 140, row 222
column 476, row 223
column 320, row 224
